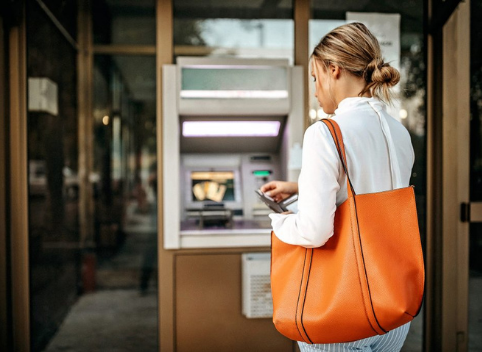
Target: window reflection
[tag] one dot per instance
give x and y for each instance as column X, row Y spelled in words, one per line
column 256, row 29
column 124, row 22
column 125, row 159
column 109, row 286
column 54, row 238
column 65, row 12
column 248, row 38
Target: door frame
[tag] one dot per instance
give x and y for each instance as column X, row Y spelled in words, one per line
column 448, row 148
column 4, row 343
column 16, row 178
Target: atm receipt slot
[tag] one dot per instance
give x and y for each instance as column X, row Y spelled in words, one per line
column 288, row 204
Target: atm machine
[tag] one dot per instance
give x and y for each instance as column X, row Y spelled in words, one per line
column 229, row 126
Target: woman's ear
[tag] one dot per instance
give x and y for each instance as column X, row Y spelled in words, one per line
column 335, row 71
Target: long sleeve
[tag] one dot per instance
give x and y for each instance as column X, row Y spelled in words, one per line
column 318, row 185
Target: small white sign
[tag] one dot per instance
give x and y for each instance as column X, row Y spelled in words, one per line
column 386, row 28
column 42, row 95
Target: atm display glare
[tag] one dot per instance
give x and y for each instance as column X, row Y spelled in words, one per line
column 217, row 186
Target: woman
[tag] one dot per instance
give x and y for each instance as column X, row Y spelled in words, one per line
column 352, row 83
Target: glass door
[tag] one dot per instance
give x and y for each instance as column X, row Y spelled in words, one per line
column 92, row 290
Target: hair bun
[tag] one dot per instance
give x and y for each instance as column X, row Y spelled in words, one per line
column 381, row 73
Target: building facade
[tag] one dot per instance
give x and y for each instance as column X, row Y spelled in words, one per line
column 85, row 160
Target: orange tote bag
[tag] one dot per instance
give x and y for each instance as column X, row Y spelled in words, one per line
column 366, row 280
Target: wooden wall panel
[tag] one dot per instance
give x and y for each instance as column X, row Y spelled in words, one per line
column 208, row 308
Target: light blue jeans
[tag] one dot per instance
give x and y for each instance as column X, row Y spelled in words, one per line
column 392, row 341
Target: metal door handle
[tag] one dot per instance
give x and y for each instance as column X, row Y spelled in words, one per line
column 471, row 212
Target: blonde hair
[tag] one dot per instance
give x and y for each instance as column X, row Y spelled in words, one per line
column 355, row 49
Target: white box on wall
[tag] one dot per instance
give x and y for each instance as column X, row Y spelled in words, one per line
column 42, row 95
column 256, row 285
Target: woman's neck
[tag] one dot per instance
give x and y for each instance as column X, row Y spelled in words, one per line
column 350, row 86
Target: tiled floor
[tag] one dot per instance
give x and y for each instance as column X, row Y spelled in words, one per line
column 117, row 318
column 114, row 321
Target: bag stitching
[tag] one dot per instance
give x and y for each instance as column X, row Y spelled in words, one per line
column 365, row 268
column 358, row 275
column 299, row 293
column 304, row 298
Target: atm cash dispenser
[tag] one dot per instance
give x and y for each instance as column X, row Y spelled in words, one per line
column 229, row 126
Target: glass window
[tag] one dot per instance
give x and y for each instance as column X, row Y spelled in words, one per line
column 111, row 286
column 53, row 178
column 256, row 29
column 124, row 22
column 124, row 112
column 399, row 27
column 65, row 12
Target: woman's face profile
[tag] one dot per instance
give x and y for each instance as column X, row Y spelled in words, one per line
column 323, row 91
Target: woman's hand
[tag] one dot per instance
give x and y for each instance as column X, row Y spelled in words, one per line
column 279, row 190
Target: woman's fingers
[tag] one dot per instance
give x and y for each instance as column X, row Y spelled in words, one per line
column 270, row 186
column 278, row 190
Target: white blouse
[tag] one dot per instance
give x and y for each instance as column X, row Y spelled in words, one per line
column 380, row 157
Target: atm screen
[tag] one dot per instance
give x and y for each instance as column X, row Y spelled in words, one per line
column 217, row 186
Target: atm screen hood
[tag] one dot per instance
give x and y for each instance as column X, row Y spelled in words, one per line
column 250, row 134
column 220, row 86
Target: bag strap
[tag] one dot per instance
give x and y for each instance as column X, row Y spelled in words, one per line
column 340, row 146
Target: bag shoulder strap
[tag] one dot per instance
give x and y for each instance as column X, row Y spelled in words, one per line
column 337, row 136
